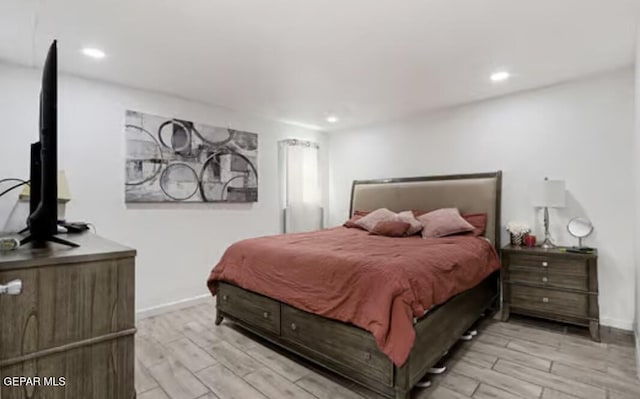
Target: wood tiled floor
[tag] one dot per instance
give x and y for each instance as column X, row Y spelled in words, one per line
column 183, row 355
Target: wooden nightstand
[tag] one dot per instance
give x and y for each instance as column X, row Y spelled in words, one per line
column 551, row 284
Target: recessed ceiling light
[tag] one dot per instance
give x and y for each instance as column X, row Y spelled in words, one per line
column 93, row 53
column 500, row 76
column 332, row 119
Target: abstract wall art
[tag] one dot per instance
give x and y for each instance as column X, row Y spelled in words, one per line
column 174, row 160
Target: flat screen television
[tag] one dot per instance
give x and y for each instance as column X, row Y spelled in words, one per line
column 43, row 201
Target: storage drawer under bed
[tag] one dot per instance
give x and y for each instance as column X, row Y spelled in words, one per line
column 257, row 310
column 347, row 346
column 347, row 349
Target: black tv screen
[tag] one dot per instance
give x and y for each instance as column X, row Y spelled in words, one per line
column 43, row 220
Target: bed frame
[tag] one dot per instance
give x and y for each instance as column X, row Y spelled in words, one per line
column 352, row 352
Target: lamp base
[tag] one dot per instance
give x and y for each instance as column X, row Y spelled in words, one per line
column 548, row 244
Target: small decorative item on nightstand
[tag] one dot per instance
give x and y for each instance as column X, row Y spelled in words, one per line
column 552, row 284
column 517, row 231
column 530, row 240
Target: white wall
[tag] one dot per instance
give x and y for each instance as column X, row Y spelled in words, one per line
column 177, row 244
column 581, row 132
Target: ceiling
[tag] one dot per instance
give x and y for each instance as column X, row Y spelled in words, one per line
column 298, row 61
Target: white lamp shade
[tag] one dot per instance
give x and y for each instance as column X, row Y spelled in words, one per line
column 550, row 193
column 63, row 189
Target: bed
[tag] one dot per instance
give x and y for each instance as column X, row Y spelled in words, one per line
column 345, row 343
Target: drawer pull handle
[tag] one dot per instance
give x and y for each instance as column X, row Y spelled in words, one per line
column 544, row 279
column 293, row 327
column 265, row 315
column 367, row 356
column 225, row 298
column 11, row 288
column 545, row 300
column 545, row 264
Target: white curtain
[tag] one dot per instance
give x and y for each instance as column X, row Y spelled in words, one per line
column 300, row 180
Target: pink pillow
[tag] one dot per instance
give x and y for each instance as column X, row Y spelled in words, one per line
column 414, row 224
column 391, row 228
column 357, row 215
column 370, row 221
column 478, row 221
column 351, row 223
column 443, row 222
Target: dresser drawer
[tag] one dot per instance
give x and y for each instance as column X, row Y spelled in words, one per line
column 549, row 301
column 552, row 278
column 255, row 309
column 65, row 304
column 552, row 264
column 351, row 349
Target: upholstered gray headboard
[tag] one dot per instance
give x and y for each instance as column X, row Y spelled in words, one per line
column 471, row 193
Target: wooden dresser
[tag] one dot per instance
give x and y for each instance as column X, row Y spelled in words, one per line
column 551, row 284
column 71, row 328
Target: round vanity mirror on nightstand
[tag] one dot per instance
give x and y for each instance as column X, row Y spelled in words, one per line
column 580, row 228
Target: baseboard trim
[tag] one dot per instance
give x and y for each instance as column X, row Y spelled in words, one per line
column 626, row 325
column 172, row 306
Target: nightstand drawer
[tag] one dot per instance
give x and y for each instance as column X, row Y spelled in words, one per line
column 548, row 278
column 549, row 301
column 553, row 264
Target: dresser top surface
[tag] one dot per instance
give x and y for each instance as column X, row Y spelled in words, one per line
column 539, row 251
column 92, row 248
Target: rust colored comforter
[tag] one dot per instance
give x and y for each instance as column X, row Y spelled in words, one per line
column 376, row 283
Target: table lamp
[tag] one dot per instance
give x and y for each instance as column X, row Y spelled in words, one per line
column 63, row 195
column 549, row 194
column 20, row 212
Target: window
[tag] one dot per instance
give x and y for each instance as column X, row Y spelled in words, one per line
column 300, row 186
